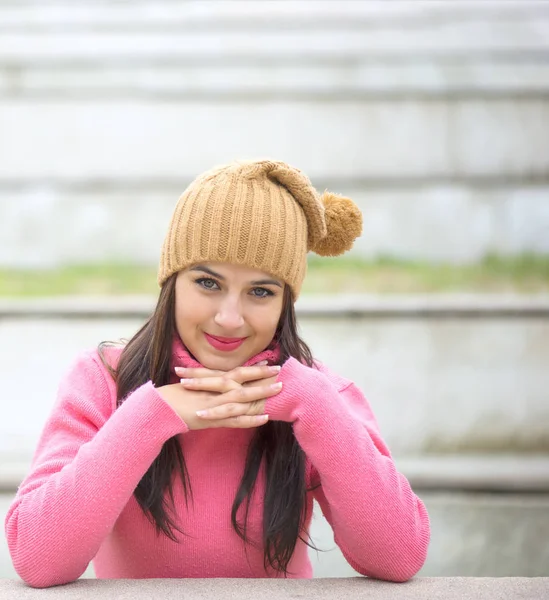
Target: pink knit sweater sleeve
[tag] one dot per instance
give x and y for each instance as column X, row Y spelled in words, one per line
column 87, row 464
column 379, row 524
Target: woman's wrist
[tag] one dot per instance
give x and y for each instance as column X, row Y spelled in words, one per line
column 299, row 384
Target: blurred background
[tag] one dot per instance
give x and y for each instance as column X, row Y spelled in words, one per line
column 433, row 116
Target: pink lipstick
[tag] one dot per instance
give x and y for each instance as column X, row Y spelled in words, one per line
column 223, row 343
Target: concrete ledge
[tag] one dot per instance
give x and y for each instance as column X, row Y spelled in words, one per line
column 478, row 473
column 304, row 49
column 447, row 588
column 242, row 14
column 357, row 78
column 497, row 473
column 505, row 214
column 333, row 306
column 444, row 377
column 435, row 27
column 153, row 130
column 12, row 473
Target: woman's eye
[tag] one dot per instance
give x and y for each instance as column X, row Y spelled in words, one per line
column 208, row 284
column 261, row 292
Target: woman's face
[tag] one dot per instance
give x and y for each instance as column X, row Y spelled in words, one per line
column 225, row 314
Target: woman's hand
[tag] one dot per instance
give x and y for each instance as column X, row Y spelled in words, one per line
column 224, row 399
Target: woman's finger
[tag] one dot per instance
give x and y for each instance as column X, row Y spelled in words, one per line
column 241, row 422
column 244, row 374
column 190, row 373
column 232, row 409
column 240, row 374
column 267, row 381
column 220, row 385
column 249, row 394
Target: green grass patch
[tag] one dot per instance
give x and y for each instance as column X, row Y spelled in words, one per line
column 521, row 274
column 82, row 280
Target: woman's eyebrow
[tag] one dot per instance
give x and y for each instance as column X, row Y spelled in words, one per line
column 208, row 271
column 267, row 282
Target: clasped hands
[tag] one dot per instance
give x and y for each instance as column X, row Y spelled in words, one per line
column 206, row 398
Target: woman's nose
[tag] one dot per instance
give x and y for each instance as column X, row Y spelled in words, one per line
column 229, row 316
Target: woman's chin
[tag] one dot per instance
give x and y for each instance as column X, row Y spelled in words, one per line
column 222, row 363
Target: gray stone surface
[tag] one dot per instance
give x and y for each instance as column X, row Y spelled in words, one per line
column 452, row 588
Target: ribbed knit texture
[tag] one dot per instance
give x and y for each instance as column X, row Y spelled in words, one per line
column 77, row 502
column 262, row 214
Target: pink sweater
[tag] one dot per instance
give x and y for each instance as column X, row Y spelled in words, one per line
column 77, row 503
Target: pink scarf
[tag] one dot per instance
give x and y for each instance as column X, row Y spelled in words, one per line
column 181, row 357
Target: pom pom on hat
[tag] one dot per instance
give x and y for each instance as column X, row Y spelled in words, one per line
column 343, row 222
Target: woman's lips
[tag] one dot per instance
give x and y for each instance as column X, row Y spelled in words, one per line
column 222, row 343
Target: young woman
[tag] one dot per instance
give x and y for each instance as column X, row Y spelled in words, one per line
column 196, row 450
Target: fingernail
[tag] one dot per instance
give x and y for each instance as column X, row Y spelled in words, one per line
column 276, row 386
column 262, row 417
column 262, row 363
column 186, row 381
column 275, row 368
column 179, row 370
column 201, row 413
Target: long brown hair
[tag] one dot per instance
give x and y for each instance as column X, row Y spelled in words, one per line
column 147, row 357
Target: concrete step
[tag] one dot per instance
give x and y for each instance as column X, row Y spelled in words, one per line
column 518, row 36
column 461, row 473
column 457, row 377
column 334, row 306
column 476, row 472
column 349, row 77
column 146, row 14
column 84, row 219
column 306, row 28
column 343, row 140
column 277, row 50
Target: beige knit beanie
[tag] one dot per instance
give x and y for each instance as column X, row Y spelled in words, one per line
column 263, row 214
